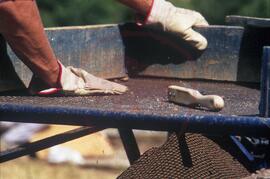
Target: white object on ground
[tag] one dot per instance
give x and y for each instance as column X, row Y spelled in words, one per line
column 20, row 133
column 7, row 125
column 59, row 154
column 187, row 96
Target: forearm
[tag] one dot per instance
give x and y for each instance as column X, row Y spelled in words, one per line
column 22, row 28
column 140, row 6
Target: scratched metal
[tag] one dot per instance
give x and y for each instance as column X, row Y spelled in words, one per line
column 250, row 21
column 104, row 50
column 149, row 96
column 153, row 53
column 97, row 49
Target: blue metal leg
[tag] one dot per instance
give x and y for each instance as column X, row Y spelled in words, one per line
column 130, row 144
column 265, row 94
column 264, row 112
column 265, row 83
column 243, row 149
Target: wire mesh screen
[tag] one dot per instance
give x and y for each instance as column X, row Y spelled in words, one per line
column 187, row 156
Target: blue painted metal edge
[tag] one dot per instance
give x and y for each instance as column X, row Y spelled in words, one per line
column 218, row 124
column 245, row 20
column 243, row 149
column 265, row 84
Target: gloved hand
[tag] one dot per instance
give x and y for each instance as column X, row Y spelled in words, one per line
column 77, row 82
column 178, row 21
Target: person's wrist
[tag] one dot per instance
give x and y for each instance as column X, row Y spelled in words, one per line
column 158, row 13
column 143, row 19
column 53, row 76
column 59, row 72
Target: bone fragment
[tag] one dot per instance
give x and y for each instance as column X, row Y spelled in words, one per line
column 191, row 97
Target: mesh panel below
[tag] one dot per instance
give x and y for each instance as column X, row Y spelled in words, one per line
column 186, row 156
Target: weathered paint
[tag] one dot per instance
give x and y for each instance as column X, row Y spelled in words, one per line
column 218, row 124
column 97, row 49
column 104, row 50
column 153, row 53
column 248, row 21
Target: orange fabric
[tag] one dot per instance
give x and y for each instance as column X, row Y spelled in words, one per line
column 21, row 26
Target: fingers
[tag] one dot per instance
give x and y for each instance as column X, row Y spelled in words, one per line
column 78, row 82
column 194, row 17
column 96, row 85
column 87, row 92
column 195, row 39
column 78, row 72
column 201, row 23
column 200, row 20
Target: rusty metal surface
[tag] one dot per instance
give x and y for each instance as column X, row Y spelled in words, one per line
column 149, row 96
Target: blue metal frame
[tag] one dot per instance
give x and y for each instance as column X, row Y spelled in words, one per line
column 130, row 144
column 219, row 124
column 265, row 84
column 264, row 106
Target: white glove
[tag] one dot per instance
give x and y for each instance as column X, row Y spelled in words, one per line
column 178, row 21
column 78, row 82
